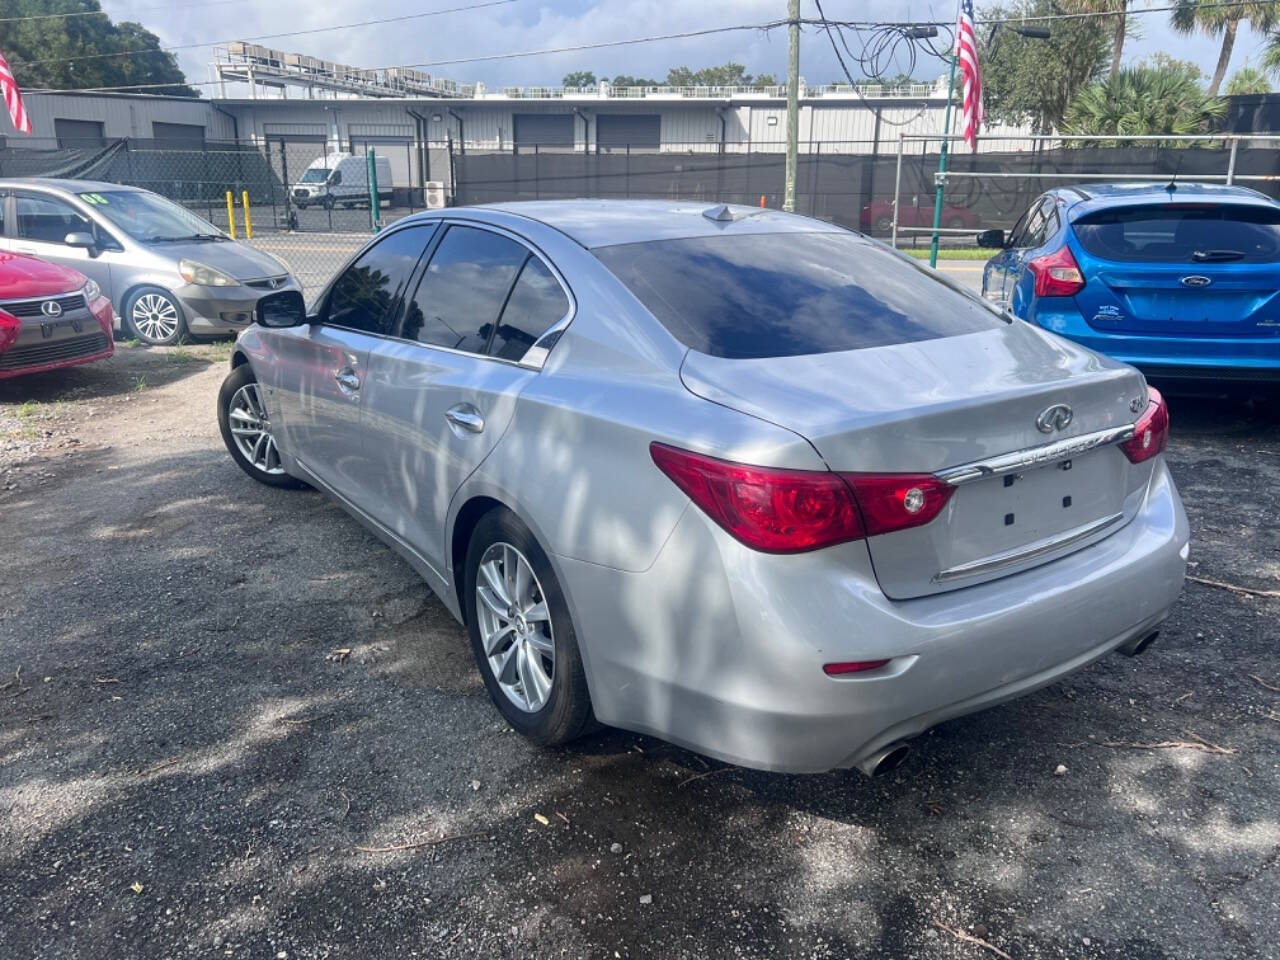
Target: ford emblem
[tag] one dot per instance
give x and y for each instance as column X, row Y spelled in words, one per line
column 1196, row 280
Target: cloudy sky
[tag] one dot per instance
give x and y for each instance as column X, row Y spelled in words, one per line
column 537, row 24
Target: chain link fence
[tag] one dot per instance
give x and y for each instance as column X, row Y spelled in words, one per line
column 297, row 212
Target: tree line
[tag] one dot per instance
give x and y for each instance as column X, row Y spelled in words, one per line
column 65, row 53
column 725, row 75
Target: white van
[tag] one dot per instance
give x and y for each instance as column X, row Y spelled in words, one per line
column 341, row 179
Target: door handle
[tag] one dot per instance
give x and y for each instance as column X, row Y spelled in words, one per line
column 25, row 251
column 347, row 379
column 465, row 417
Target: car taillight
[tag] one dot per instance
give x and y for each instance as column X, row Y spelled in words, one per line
column 10, row 327
column 1057, row 274
column 1151, row 432
column 896, row 501
column 791, row 511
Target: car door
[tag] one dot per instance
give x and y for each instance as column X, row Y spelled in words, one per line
column 318, row 379
column 41, row 222
column 442, row 394
column 1002, row 274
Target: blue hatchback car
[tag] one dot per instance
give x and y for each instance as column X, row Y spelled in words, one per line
column 1181, row 280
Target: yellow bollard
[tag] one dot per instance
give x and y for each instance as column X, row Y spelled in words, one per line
column 248, row 224
column 231, row 214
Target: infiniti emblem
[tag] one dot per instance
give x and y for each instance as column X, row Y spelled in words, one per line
column 50, row 308
column 1057, row 417
column 1196, row 280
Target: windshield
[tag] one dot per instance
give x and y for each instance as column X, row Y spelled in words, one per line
column 315, row 175
column 1183, row 233
column 781, row 295
column 147, row 217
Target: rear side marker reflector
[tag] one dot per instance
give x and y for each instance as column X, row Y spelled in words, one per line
column 851, row 666
column 792, row 511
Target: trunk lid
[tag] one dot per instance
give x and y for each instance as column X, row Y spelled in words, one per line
column 1189, row 300
column 1194, row 269
column 932, row 405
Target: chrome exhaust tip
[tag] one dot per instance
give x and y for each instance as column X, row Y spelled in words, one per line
column 1131, row 648
column 885, row 760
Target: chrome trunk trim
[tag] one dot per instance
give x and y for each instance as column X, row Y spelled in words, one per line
column 1034, row 456
column 1029, row 552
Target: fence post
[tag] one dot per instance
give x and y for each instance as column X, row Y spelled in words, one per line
column 284, row 182
column 375, row 205
column 1231, row 163
column 231, row 215
column 897, row 194
column 537, row 175
column 627, row 178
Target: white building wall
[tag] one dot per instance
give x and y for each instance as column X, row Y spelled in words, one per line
column 120, row 116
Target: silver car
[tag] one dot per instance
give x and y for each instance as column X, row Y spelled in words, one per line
column 742, row 480
column 167, row 272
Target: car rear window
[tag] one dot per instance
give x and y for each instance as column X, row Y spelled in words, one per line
column 780, row 295
column 1182, row 233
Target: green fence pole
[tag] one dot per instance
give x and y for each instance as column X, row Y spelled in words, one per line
column 942, row 165
column 375, row 211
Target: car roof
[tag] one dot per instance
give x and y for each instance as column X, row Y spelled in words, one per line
column 603, row 223
column 1088, row 198
column 67, row 186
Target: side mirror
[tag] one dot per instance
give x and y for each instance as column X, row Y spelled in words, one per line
column 991, row 238
column 283, row 309
column 83, row 240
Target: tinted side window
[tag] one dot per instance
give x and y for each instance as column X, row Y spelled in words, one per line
column 1033, row 232
column 365, row 296
column 536, row 302
column 47, row 220
column 463, row 289
column 780, row 295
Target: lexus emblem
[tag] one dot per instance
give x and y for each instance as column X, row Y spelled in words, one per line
column 1057, row 417
column 1196, row 280
column 50, row 308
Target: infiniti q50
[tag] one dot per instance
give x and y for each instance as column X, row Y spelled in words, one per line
column 739, row 479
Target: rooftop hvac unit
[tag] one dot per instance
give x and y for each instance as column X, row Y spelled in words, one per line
column 237, row 48
column 435, row 195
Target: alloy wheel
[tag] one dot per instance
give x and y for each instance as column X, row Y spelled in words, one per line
column 515, row 627
column 154, row 316
column 251, row 428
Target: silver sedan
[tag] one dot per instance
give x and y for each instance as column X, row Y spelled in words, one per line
column 742, row 480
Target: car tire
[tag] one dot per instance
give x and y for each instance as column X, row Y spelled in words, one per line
column 884, row 225
column 956, row 223
column 154, row 316
column 558, row 707
column 240, row 408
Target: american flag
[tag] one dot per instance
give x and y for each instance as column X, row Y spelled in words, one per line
column 13, row 98
column 967, row 56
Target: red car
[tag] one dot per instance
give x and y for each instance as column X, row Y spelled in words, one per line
column 878, row 215
column 50, row 317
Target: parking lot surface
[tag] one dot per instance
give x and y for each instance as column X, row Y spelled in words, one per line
column 234, row 725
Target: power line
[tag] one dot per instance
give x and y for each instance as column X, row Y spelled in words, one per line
column 268, row 36
column 1048, row 17
column 771, row 25
column 105, row 13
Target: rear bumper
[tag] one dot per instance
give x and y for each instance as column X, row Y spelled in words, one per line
column 1189, row 358
column 720, row 649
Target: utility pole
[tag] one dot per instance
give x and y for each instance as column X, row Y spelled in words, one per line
column 793, row 104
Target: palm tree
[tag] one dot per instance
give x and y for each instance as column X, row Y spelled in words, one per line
column 1248, row 80
column 1144, row 101
column 1120, row 8
column 1213, row 17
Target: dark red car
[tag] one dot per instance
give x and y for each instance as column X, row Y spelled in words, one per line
column 50, row 317
column 877, row 216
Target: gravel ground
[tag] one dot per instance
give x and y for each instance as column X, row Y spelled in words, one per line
column 188, row 769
